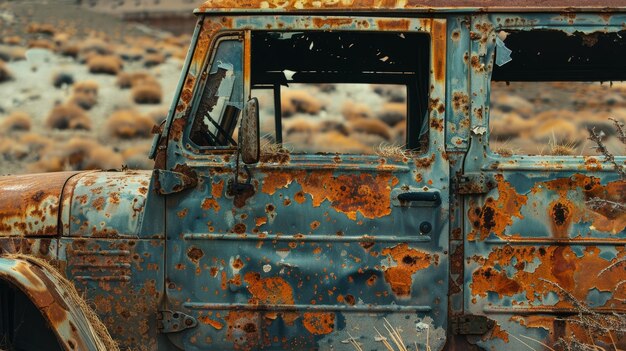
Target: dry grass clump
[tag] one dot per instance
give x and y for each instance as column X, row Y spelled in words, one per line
column 70, row 49
column 136, row 157
column 392, row 151
column 158, row 115
column 41, row 28
column 128, row 124
column 333, row 142
column 68, row 116
column 371, row 126
column 12, row 53
column 299, row 101
column 85, row 94
column 12, row 40
column 393, row 93
column 77, row 154
column 509, row 125
column 351, row 111
column 151, row 60
column 127, row 80
column 104, row 64
column 95, row 46
column 130, row 53
column 147, row 92
column 393, row 113
column 5, row 74
column 59, row 79
column 41, row 44
column 16, row 121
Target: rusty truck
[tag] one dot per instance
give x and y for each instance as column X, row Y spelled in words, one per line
column 247, row 235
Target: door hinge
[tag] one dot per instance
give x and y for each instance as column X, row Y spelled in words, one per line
column 174, row 321
column 474, row 183
column 169, row 182
column 470, row 324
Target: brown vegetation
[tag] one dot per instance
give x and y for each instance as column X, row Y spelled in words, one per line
column 136, row 157
column 41, row 44
column 127, row 124
column 299, row 101
column 60, row 79
column 104, row 64
column 68, row 116
column 371, row 126
column 352, row 111
column 152, row 60
column 5, row 74
column 78, row 154
column 127, row 80
column 41, row 28
column 12, row 53
column 16, row 121
column 147, row 92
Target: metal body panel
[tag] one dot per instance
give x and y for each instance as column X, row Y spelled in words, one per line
column 403, row 6
column 318, row 248
column 543, row 246
column 30, row 204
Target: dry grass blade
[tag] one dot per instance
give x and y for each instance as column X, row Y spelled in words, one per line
column 523, row 343
column 384, row 340
column 395, row 335
column 537, row 341
column 621, row 131
column 354, row 343
column 392, row 151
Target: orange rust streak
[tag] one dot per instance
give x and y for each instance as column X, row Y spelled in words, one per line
column 439, row 50
column 319, row 323
column 408, row 261
column 208, row 321
column 393, row 24
column 560, row 268
column 496, row 214
column 320, row 22
column 271, row 290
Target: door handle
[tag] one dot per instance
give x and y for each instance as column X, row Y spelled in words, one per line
column 420, row 199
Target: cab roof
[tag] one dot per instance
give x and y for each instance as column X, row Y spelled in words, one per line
column 375, row 6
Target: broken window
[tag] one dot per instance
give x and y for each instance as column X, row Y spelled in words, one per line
column 555, row 88
column 215, row 116
column 341, row 92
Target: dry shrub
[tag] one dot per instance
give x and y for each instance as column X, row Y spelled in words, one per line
column 393, row 93
column 127, row 124
column 512, row 103
column 36, row 142
column 136, row 157
column 41, row 28
column 70, row 49
column 352, row 111
column 299, row 125
column 60, row 79
column 68, row 116
column 78, row 154
column 371, row 126
column 87, row 87
column 336, row 142
column 127, row 80
column 147, row 92
column 96, row 46
column 12, row 40
column 509, row 125
column 85, row 94
column 12, row 53
column 393, row 151
column 104, row 64
column 16, row 121
column 299, row 101
column 158, row 115
column 41, row 44
column 561, row 130
column 152, row 60
column 130, row 53
column 393, row 113
column 5, row 74
column 60, row 39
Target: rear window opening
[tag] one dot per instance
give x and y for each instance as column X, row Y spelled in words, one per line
column 554, row 89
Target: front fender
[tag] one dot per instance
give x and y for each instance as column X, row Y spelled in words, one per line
column 72, row 321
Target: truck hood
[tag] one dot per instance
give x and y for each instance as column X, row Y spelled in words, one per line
column 30, row 204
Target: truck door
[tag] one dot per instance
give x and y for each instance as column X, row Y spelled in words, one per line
column 543, row 210
column 330, row 240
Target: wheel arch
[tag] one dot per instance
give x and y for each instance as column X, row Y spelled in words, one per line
column 67, row 315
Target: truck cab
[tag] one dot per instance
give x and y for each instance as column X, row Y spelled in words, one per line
column 272, row 222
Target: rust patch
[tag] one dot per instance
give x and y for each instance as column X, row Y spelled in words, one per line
column 212, row 322
column 559, row 268
column 408, row 261
column 98, row 203
column 195, row 254
column 211, row 203
column 239, row 228
column 425, row 162
column 496, row 214
column 320, row 22
column 393, row 24
column 460, row 103
column 319, row 323
column 217, row 189
column 315, row 224
column 243, row 329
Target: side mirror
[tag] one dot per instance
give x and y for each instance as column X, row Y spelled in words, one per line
column 249, row 141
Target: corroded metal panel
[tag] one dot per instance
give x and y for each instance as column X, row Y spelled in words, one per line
column 123, row 281
column 318, row 248
column 544, row 244
column 114, row 204
column 403, row 5
column 30, row 204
